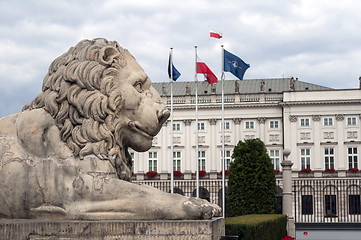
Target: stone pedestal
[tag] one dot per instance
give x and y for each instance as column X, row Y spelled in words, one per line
column 32, row 229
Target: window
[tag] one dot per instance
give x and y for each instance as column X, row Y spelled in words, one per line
column 352, row 157
column 275, row 157
column 273, row 124
column 201, row 126
column 249, row 125
column 176, row 126
column 305, row 122
column 227, row 158
column 330, row 204
column 132, row 156
column 351, row 121
column 176, row 161
column 354, row 204
column 152, row 160
column 329, row 158
column 307, row 204
column 305, row 158
column 202, row 160
column 227, row 125
column 327, row 122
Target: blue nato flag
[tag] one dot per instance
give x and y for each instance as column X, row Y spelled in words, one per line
column 234, row 64
column 175, row 72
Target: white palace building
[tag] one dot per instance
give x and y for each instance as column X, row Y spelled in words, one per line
column 319, row 125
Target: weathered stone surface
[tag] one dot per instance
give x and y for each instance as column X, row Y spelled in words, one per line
column 114, row 230
column 65, row 156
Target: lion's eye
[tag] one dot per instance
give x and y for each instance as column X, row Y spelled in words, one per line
column 138, row 87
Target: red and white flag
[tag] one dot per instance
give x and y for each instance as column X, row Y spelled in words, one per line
column 215, row 34
column 204, row 69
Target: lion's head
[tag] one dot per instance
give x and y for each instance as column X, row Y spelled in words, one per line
column 102, row 102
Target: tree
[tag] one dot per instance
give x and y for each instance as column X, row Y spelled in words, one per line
column 252, row 183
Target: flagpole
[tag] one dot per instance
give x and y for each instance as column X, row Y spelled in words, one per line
column 197, row 157
column 171, row 123
column 223, row 151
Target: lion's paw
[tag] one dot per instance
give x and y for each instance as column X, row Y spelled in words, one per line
column 197, row 208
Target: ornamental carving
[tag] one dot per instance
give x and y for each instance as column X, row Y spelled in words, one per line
column 262, row 120
column 274, row 137
column 177, row 140
column 305, row 135
column 316, row 118
column 227, row 139
column 352, row 134
column 293, row 118
column 340, row 117
column 246, row 137
column 237, row 121
column 201, row 139
column 213, row 121
column 155, row 141
column 187, row 122
column 328, row 135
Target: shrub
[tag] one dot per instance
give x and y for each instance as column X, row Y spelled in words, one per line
column 252, row 182
column 260, row 227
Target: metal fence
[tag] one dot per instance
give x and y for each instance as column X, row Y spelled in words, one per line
column 314, row 200
column 327, row 200
column 210, row 190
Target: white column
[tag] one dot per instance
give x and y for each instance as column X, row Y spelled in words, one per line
column 291, row 139
column 317, row 159
column 262, row 129
column 340, row 131
column 237, row 132
column 214, row 154
column 187, row 158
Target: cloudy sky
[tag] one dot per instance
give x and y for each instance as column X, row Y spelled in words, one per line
column 317, row 41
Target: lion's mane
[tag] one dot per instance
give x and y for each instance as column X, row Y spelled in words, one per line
column 79, row 93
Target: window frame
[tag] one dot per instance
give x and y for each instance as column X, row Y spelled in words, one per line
column 176, row 127
column 201, row 160
column 327, row 121
column 249, row 125
column 352, row 158
column 304, row 122
column 177, row 160
column 305, row 158
column 275, row 158
column 273, row 124
column 351, row 121
column 153, row 161
column 201, row 126
column 329, row 157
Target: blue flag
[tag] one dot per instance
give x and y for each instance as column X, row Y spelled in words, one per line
column 234, row 64
column 175, row 72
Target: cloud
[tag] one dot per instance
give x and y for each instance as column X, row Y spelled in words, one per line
column 317, row 41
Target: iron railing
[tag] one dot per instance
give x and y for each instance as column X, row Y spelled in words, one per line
column 314, row 200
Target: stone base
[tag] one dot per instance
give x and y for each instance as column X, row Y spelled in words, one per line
column 32, row 229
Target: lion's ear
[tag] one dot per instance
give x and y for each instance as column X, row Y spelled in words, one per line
column 107, row 55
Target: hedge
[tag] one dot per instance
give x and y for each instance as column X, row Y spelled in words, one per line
column 257, row 226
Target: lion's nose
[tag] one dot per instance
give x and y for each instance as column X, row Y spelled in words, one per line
column 163, row 115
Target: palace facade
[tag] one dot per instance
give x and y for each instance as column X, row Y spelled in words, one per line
column 319, row 125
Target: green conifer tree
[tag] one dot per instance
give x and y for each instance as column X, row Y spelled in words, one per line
column 252, row 182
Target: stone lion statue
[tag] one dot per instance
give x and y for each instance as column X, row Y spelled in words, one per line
column 66, row 154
